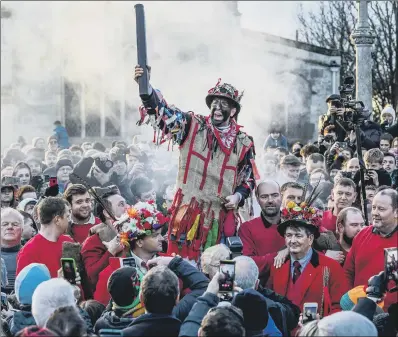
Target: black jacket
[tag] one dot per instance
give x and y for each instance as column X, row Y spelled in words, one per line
column 192, row 279
column 284, row 313
column 370, row 135
column 109, row 320
column 154, row 325
column 383, row 175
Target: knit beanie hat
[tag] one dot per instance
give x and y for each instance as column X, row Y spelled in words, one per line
column 388, row 110
column 350, row 298
column 27, row 281
column 123, row 286
column 254, row 308
column 25, row 202
column 63, row 162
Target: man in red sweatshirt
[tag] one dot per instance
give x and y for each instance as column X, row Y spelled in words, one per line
column 102, row 242
column 366, row 257
column 82, row 216
column 344, row 194
column 46, row 246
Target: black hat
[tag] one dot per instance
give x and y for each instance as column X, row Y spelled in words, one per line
column 254, row 308
column 333, row 97
column 122, row 286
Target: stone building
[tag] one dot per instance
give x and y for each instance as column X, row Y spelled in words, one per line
column 312, row 77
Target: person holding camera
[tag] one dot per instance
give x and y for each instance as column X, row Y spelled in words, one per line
column 335, row 111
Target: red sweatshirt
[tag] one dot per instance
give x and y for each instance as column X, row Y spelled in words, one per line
column 329, row 221
column 95, row 258
column 260, row 237
column 366, row 258
column 40, row 250
column 80, row 232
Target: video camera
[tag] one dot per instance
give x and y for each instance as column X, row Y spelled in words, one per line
column 354, row 111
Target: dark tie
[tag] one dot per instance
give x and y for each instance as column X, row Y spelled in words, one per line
column 296, row 271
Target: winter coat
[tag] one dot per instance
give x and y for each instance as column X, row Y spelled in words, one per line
column 20, row 320
column 281, row 141
column 62, row 137
column 154, row 325
column 109, row 320
column 370, row 135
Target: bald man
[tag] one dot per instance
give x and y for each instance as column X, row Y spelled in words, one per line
column 259, row 235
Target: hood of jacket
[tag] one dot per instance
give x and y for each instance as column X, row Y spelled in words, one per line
column 109, row 320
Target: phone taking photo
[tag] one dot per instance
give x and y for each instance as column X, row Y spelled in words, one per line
column 69, row 270
column 310, row 309
column 390, row 262
column 227, row 268
column 128, row 262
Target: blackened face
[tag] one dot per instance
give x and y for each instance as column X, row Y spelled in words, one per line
column 221, row 110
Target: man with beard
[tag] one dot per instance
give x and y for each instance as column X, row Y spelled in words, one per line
column 349, row 223
column 259, row 235
column 217, row 170
column 344, row 194
column 82, row 216
column 366, row 257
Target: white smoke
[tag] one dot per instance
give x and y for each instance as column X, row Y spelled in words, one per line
column 190, row 45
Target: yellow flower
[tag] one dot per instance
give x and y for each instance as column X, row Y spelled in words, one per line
column 312, row 210
column 291, row 204
column 303, row 204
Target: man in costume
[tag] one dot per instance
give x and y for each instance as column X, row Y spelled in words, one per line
column 216, row 167
column 307, row 276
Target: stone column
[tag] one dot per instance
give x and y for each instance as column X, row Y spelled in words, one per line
column 334, row 68
column 363, row 38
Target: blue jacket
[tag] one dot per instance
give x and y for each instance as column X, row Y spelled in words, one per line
column 281, row 141
column 62, row 137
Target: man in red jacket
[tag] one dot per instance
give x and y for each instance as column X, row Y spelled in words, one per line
column 307, row 276
column 366, row 257
column 82, row 216
column 46, row 246
column 343, row 195
column 102, row 242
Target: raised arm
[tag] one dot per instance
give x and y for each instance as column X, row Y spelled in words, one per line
column 170, row 123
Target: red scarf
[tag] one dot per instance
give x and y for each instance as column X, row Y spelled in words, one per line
column 226, row 137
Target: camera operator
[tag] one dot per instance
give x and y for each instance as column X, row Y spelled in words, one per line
column 335, row 111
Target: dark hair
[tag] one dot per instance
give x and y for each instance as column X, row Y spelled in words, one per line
column 223, row 321
column 57, row 123
column 392, row 194
column 74, row 189
column 160, row 290
column 28, row 216
column 282, row 149
column 316, row 157
column 370, row 187
column 66, row 321
column 94, row 309
column 291, row 184
column 345, row 182
column 389, row 154
column 99, row 210
column 308, row 149
column 76, row 148
column 20, row 165
column 99, row 146
column 297, row 227
column 51, row 207
column 140, row 185
column 386, row 136
column 24, row 189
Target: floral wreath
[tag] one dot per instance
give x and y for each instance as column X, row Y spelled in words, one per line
column 139, row 220
column 304, row 212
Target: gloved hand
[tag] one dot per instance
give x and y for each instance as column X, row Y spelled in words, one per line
column 377, row 286
column 52, row 191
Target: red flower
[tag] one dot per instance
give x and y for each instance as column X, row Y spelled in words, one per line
column 161, row 219
column 151, row 202
column 146, row 213
column 285, row 212
column 147, row 226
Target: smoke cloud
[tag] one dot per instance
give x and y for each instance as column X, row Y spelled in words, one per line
column 190, row 46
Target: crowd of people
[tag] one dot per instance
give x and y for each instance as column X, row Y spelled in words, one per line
column 128, row 241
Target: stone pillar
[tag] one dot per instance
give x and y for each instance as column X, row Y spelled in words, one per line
column 363, row 38
column 334, row 68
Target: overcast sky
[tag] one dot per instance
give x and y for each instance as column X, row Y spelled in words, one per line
column 274, row 17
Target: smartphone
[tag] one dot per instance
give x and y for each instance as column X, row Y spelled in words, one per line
column 310, row 309
column 53, row 181
column 69, row 269
column 110, row 332
column 227, row 268
column 343, row 145
column 128, row 262
column 390, row 262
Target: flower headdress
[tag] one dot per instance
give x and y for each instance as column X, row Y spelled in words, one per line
column 138, row 221
column 303, row 212
column 224, row 90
